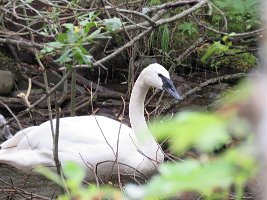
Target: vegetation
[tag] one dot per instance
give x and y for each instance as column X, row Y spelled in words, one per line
column 73, row 184
column 71, row 43
column 211, row 175
column 219, row 55
column 220, row 36
column 241, row 14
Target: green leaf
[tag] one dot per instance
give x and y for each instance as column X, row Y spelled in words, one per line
column 88, row 16
column 216, row 47
column 81, row 55
column 55, row 44
column 69, row 26
column 65, row 57
column 47, row 50
column 92, row 16
column 94, row 34
column 154, row 2
column 190, row 175
column 73, row 171
column 87, row 27
column 188, row 129
column 72, row 37
column 188, row 28
column 165, row 39
column 74, row 174
column 50, row 175
column 63, row 38
column 112, row 24
column 202, row 177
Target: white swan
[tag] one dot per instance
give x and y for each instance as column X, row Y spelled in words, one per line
column 96, row 141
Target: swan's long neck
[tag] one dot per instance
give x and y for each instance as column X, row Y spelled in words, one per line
column 136, row 112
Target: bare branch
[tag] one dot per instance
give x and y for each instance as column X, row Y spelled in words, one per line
column 21, row 43
column 202, row 85
column 171, row 5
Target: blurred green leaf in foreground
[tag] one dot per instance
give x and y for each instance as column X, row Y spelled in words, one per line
column 213, row 174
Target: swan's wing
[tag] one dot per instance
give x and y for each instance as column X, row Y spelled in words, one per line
column 84, row 130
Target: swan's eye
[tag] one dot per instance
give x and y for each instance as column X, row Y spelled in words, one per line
column 166, row 82
column 168, row 86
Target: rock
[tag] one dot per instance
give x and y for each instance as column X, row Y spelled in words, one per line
column 6, row 82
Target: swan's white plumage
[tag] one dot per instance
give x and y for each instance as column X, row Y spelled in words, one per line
column 94, row 140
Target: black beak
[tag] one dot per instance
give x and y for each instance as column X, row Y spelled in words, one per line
column 169, row 87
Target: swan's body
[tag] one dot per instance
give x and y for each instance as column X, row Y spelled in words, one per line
column 95, row 141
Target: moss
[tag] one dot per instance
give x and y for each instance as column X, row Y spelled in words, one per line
column 7, row 63
column 236, row 59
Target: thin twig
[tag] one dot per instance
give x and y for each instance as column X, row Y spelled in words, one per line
column 92, row 107
column 55, row 142
column 21, row 43
column 25, row 97
column 73, row 92
column 65, row 90
column 14, row 116
column 152, row 23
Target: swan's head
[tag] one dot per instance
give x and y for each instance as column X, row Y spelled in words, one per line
column 155, row 75
column 4, row 129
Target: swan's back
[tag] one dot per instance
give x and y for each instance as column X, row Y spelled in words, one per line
column 87, row 130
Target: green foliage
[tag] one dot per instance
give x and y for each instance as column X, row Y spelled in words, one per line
column 236, row 59
column 242, row 15
column 212, row 175
column 165, row 39
column 154, row 2
column 71, row 44
column 160, row 39
column 112, row 24
column 236, row 95
column 188, row 28
column 215, row 48
column 202, row 177
column 205, row 130
column 219, row 55
column 73, row 184
column 168, row 37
